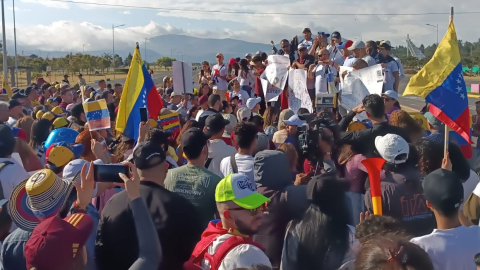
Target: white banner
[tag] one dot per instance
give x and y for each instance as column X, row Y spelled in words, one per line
column 297, row 89
column 275, row 76
column 350, row 101
column 372, row 78
column 182, row 78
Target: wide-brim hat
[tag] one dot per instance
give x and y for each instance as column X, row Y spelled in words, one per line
column 39, row 197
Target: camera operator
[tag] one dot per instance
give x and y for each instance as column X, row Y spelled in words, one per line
column 364, row 140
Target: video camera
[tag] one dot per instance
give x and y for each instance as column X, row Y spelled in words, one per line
column 309, row 135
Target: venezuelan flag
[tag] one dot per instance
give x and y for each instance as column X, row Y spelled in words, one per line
column 442, row 85
column 374, row 168
column 6, row 88
column 97, row 114
column 170, row 122
column 139, row 91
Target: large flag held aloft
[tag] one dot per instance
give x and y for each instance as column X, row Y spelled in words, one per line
column 6, row 90
column 442, row 85
column 97, row 114
column 139, row 91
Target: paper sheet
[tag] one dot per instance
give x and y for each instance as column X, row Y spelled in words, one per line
column 182, row 78
column 298, row 94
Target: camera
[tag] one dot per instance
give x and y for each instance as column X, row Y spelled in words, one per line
column 309, row 135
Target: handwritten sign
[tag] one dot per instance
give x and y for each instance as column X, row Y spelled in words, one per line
column 297, row 89
column 275, row 76
column 372, row 78
column 350, row 101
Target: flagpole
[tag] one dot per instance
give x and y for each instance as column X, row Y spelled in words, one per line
column 4, row 45
column 447, row 135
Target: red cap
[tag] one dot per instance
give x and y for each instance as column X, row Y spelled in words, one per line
column 202, row 99
column 348, row 44
column 232, row 61
column 55, row 242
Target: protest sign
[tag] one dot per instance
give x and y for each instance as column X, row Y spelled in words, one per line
column 372, row 78
column 340, row 72
column 275, row 76
column 297, row 88
column 182, row 78
column 352, row 100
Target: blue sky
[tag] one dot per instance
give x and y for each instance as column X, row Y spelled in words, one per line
column 53, row 25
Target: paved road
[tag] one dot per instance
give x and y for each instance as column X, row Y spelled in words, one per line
column 412, row 102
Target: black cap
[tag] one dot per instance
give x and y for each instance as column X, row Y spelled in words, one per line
column 28, row 90
column 385, row 46
column 215, row 123
column 13, row 103
column 444, row 190
column 324, row 189
column 336, row 34
column 7, row 140
column 145, row 152
column 19, row 94
column 307, row 30
column 193, row 140
column 77, row 110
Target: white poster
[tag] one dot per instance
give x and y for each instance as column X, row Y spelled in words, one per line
column 350, row 101
column 340, row 72
column 270, row 92
column 182, row 78
column 275, row 76
column 297, row 91
column 372, row 78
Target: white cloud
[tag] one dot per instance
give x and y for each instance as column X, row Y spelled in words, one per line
column 17, row 9
column 258, row 28
column 126, row 12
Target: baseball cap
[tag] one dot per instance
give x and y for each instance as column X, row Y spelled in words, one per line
column 241, row 190
column 258, row 53
column 391, row 94
column 6, row 136
column 58, row 110
column 393, row 148
column 218, row 55
column 60, row 153
column 74, row 167
column 301, row 46
column 244, row 114
column 248, row 55
column 56, row 242
column 39, row 114
column 54, row 99
column 306, row 30
column 28, row 90
column 387, row 42
column 50, row 116
column 193, row 140
column 77, row 110
column 12, row 103
column 336, row 34
column 202, row 99
column 358, row 44
column 19, row 94
column 214, row 124
column 173, row 94
column 294, row 120
column 251, row 102
column 60, row 122
column 28, row 204
column 385, row 46
column 145, row 152
column 323, row 34
column 444, row 190
column 345, row 44
column 232, row 61
column 434, row 121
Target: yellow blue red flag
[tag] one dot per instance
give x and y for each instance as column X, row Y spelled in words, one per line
column 442, row 85
column 170, row 122
column 139, row 91
column 6, row 88
column 97, row 114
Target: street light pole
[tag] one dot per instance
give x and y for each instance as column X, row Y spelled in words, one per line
column 177, row 55
column 84, row 48
column 436, row 26
column 145, row 57
column 4, row 45
column 15, row 44
column 113, row 56
column 171, row 53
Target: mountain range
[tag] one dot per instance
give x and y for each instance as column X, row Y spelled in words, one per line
column 194, row 49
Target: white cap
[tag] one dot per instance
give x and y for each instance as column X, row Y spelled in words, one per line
column 294, row 121
column 248, row 55
column 358, row 44
column 387, row 42
column 244, row 114
column 391, row 146
column 75, row 166
column 391, row 94
column 251, row 102
column 302, row 46
column 258, row 53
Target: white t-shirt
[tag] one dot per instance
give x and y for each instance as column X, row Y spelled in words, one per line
column 242, row 256
column 307, row 43
column 242, row 95
column 244, row 164
column 11, row 176
column 451, row 249
column 388, row 79
column 336, row 55
column 400, row 66
column 223, row 70
column 370, row 61
column 199, row 113
column 249, row 80
column 321, row 79
column 217, row 151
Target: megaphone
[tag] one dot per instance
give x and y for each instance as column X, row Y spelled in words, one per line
column 374, row 168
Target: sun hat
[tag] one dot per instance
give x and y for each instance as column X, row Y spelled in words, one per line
column 241, row 190
column 39, row 197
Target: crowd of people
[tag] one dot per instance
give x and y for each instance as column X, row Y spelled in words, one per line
column 238, row 187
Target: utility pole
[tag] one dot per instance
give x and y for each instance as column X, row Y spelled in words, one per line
column 113, row 56
column 4, row 45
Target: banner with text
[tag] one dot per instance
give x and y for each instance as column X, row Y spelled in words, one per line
column 275, row 76
column 297, row 91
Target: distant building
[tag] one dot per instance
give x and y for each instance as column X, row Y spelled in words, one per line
column 33, row 56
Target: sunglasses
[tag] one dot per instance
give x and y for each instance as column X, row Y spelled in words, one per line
column 252, row 211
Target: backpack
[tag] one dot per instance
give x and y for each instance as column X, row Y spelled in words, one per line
column 233, row 162
column 2, row 166
column 215, row 260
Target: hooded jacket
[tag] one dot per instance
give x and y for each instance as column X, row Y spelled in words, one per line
column 273, row 179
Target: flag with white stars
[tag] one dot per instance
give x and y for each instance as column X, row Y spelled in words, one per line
column 97, row 114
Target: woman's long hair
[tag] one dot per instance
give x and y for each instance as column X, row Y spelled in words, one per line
column 400, row 118
column 123, row 147
column 189, row 124
column 323, row 233
column 40, row 131
column 244, row 69
column 284, row 115
column 269, row 116
column 207, row 64
column 25, row 123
